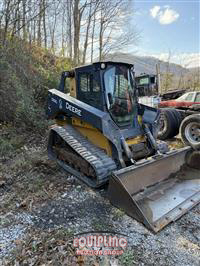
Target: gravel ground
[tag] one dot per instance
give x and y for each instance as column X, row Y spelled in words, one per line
column 178, row 243
column 42, row 197
column 12, row 228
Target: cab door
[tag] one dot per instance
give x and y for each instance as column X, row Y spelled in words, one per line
column 89, row 89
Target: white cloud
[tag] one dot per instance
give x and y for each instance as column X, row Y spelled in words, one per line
column 168, row 16
column 154, row 11
column 165, row 15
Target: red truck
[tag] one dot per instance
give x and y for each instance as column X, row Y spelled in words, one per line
column 186, row 100
column 173, row 113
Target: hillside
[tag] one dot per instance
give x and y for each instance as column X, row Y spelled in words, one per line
column 147, row 64
column 173, row 76
column 194, row 69
column 26, row 73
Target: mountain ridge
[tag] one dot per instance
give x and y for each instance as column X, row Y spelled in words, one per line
column 147, row 64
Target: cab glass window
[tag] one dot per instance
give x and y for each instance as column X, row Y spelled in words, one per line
column 189, row 97
column 85, row 82
column 197, row 100
column 144, row 81
column 89, row 90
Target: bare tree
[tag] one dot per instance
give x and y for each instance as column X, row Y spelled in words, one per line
column 112, row 26
column 87, row 32
column 39, row 33
column 93, row 8
column 92, row 37
column 6, row 5
column 77, row 16
column 84, row 28
column 44, row 22
column 69, row 28
column 167, row 75
column 24, row 18
column 53, row 15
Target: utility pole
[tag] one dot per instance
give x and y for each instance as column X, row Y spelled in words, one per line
column 158, row 78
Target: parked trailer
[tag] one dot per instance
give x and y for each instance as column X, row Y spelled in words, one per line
column 175, row 105
column 173, row 112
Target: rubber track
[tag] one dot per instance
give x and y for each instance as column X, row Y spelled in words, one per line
column 96, row 157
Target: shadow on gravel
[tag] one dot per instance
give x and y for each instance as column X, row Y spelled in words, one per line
column 76, row 209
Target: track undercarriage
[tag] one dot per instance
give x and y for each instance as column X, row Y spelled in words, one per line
column 79, row 156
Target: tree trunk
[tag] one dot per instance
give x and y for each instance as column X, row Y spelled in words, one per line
column 76, row 17
column 63, row 37
column 7, row 19
column 34, row 31
column 44, row 23
column 93, row 31
column 29, row 24
column 14, row 28
column 39, row 41
column 24, row 19
column 69, row 23
column 18, row 22
column 101, row 40
column 87, row 33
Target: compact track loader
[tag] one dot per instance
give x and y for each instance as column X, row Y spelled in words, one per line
column 102, row 134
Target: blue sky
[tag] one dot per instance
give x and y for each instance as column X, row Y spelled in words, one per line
column 169, row 26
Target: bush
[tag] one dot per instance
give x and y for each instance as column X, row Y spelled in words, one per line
column 10, row 142
column 6, row 148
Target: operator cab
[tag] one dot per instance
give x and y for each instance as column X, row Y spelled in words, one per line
column 108, row 86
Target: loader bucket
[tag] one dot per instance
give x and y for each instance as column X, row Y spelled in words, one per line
column 157, row 191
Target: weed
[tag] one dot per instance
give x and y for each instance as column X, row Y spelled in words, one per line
column 97, row 224
column 127, row 258
column 118, row 213
column 64, row 232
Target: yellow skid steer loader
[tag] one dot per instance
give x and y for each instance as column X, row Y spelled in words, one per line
column 102, row 134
